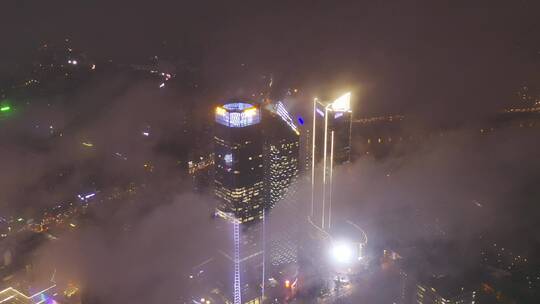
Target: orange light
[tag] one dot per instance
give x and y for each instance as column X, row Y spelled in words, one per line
column 287, row 284
column 220, row 111
column 250, row 112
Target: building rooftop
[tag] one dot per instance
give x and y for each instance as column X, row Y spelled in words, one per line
column 237, row 106
column 238, row 115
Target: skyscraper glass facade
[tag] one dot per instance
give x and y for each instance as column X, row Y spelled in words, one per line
column 239, row 170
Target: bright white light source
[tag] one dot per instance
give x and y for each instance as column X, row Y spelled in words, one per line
column 343, row 103
column 89, row 195
column 228, row 159
column 342, row 252
column 162, row 85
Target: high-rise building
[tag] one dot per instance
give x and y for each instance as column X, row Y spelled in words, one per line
column 239, row 164
column 281, row 153
column 256, row 158
column 239, row 188
column 339, row 122
column 282, row 148
column 332, row 117
column 330, row 144
column 256, row 166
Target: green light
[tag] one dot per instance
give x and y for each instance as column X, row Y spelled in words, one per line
column 5, row 108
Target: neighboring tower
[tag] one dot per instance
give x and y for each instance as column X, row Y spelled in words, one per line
column 339, row 121
column 282, row 162
column 331, row 144
column 239, row 168
column 282, row 148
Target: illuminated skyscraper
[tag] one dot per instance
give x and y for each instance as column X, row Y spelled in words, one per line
column 256, row 165
column 282, row 147
column 340, row 123
column 331, row 143
column 239, row 165
column 239, row 186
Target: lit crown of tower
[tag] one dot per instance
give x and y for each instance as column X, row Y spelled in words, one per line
column 238, row 115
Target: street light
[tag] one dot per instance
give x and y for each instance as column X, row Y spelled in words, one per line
column 342, row 252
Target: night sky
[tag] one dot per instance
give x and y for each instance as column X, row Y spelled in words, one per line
column 416, row 56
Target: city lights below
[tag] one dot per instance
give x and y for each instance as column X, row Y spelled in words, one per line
column 15, row 296
column 342, row 252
